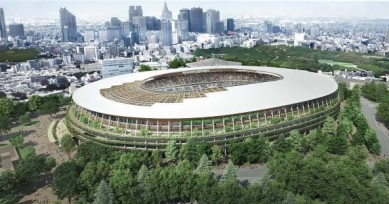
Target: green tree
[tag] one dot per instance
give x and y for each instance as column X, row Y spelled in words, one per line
column 329, row 127
column 171, row 151
column 144, row 68
column 204, row 164
column 8, row 181
column 104, row 194
column 188, row 150
column 5, row 124
column 65, row 180
column 337, row 144
column 217, row 155
column 25, row 118
column 156, row 157
column 34, row 102
column 124, row 186
column 16, row 140
column 229, row 173
column 2, row 95
column 383, row 111
column 238, row 152
column 67, row 144
column 372, row 142
column 281, row 144
column 6, row 106
column 290, row 198
column 29, row 151
column 50, row 107
column 142, row 175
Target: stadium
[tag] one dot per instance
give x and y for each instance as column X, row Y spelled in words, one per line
column 215, row 104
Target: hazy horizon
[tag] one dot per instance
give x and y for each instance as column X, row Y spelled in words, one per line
column 105, row 9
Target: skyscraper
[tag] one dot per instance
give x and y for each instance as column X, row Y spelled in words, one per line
column 3, row 30
column 387, row 37
column 230, row 24
column 213, row 17
column 196, row 20
column 141, row 21
column 166, row 33
column 115, row 22
column 183, row 24
column 134, row 11
column 127, row 28
column 166, row 13
column 153, row 23
column 68, row 26
column 16, row 30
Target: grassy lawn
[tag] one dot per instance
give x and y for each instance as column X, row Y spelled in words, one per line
column 17, row 55
column 332, row 62
column 36, row 123
column 5, row 145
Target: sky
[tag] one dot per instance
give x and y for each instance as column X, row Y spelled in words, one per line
column 84, row 9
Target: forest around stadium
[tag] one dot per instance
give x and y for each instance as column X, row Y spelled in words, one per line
column 297, row 58
column 326, row 165
column 18, row 55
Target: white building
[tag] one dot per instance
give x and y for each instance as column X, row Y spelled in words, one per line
column 117, row 66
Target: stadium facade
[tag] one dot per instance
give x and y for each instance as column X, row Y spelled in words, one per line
column 216, row 104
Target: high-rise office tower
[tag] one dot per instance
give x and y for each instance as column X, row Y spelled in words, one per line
column 220, row 27
column 196, row 20
column 230, row 24
column 213, row 17
column 127, row 28
column 116, row 22
column 134, row 11
column 183, row 24
column 89, row 35
column 268, row 26
column 166, row 13
column 204, row 24
column 16, row 30
column 387, row 37
column 153, row 23
column 141, row 21
column 166, row 32
column 68, row 26
column 3, row 30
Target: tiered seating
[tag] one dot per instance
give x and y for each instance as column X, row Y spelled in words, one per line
column 174, row 88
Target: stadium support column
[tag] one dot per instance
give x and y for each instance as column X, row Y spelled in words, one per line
column 126, row 126
column 101, row 122
column 303, row 109
column 191, row 128
column 117, row 122
column 241, row 122
column 309, row 109
column 136, row 126
column 286, row 113
column 298, row 111
column 224, row 127
column 265, row 118
column 250, row 121
column 233, row 124
column 213, row 126
column 202, row 127
column 258, row 119
column 180, row 128
column 147, row 124
column 109, row 123
column 327, row 101
column 157, row 127
column 168, row 128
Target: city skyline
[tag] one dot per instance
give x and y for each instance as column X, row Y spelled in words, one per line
column 87, row 9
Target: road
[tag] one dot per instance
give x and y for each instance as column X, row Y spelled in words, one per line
column 246, row 174
column 369, row 110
